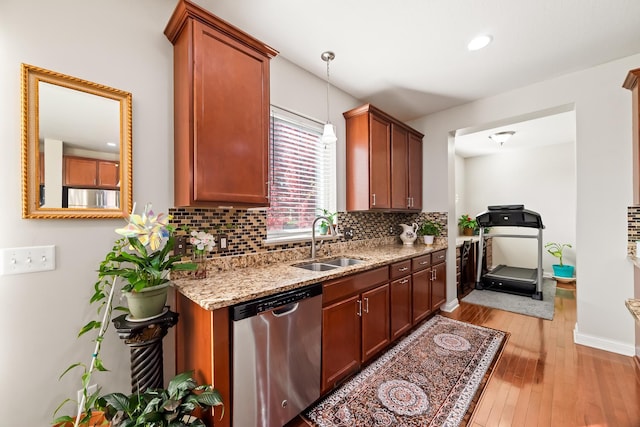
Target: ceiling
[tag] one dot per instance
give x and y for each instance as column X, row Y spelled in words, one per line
column 410, row 58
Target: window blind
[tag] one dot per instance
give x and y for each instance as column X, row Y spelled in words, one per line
column 302, row 175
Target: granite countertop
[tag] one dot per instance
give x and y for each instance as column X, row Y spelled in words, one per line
column 225, row 288
column 634, row 307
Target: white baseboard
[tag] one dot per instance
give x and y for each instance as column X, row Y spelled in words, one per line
column 450, row 306
column 603, row 344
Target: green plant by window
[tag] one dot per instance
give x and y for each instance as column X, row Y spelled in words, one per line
column 328, row 214
column 556, row 249
column 465, row 221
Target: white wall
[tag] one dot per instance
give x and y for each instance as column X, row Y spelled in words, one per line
column 544, row 180
column 119, row 43
column 603, row 186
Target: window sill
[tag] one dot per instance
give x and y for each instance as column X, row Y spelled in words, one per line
column 298, row 239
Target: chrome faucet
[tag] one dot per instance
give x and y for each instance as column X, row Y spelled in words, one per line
column 313, row 234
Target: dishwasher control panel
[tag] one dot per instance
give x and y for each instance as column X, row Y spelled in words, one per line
column 251, row 308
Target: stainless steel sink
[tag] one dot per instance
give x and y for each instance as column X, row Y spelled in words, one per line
column 316, row 266
column 329, row 264
column 343, row 262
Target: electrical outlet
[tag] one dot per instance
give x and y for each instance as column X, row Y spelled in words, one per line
column 348, row 233
column 90, row 390
column 180, row 245
column 27, row 260
column 223, row 242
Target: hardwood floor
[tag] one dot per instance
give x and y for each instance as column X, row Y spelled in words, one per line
column 544, row 379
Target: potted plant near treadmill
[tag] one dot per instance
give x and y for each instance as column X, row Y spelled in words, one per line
column 559, row 270
column 141, row 261
column 429, row 230
column 467, row 224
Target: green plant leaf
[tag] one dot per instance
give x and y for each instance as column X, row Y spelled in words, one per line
column 75, row 365
column 94, row 324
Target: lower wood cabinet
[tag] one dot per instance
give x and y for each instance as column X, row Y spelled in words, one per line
column 400, row 294
column 355, row 323
column 438, row 285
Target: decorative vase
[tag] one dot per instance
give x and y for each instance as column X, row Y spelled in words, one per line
column 147, row 303
column 199, row 256
column 428, row 240
column 563, row 270
column 408, row 235
column 323, row 229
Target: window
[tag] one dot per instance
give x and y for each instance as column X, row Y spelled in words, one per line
column 302, row 175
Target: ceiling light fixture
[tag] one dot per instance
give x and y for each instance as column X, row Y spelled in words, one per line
column 501, row 137
column 329, row 133
column 479, row 42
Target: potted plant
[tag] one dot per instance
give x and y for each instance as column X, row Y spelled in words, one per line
column 467, row 224
column 170, row 407
column 561, row 269
column 324, row 225
column 141, row 261
column 429, row 230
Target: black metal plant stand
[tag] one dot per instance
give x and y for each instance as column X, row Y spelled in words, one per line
column 145, row 341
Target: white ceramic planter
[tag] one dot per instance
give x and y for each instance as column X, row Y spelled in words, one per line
column 147, row 303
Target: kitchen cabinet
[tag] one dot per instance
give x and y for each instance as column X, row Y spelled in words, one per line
column 221, row 111
column 355, row 323
column 631, row 83
column 438, row 279
column 384, row 162
column 400, row 298
column 88, row 172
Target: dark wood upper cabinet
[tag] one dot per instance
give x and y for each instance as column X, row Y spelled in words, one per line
column 384, row 162
column 91, row 173
column 221, row 111
column 631, row 83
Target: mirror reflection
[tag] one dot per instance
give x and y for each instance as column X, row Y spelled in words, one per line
column 78, row 147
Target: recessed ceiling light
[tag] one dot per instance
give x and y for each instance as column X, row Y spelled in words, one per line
column 479, row 42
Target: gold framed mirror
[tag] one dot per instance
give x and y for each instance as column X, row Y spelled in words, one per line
column 76, row 147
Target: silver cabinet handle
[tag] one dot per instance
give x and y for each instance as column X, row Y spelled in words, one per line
column 359, row 308
column 374, row 199
column 408, row 202
column 366, row 306
column 402, row 282
column 403, row 269
column 424, row 263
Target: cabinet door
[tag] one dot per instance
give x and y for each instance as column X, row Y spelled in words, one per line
column 421, row 294
column 399, row 169
column 379, row 162
column 438, row 285
column 375, row 321
column 400, row 306
column 340, row 341
column 415, row 171
column 80, row 171
column 108, row 174
column 231, row 120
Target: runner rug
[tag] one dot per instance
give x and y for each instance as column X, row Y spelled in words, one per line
column 429, row 378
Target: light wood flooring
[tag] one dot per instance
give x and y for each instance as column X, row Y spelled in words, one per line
column 544, row 379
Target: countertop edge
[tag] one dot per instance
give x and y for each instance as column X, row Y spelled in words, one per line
column 227, row 288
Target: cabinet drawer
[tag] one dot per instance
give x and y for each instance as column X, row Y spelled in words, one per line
column 400, row 269
column 421, row 262
column 438, row 257
column 350, row 285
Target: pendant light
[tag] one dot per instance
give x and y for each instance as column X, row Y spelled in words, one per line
column 329, row 133
column 501, row 137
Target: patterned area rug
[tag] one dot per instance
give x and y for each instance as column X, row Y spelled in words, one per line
column 429, row 378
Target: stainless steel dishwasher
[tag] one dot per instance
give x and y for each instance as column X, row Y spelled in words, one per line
column 276, row 357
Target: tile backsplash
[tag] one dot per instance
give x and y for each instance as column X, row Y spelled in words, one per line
column 633, row 229
column 246, row 229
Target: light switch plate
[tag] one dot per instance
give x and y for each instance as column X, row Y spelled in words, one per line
column 27, row 260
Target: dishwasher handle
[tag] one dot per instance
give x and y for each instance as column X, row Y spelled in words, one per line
column 285, row 309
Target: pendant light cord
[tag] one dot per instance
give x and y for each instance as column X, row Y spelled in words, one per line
column 328, row 86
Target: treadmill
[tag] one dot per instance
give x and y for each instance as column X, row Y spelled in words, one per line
column 503, row 278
